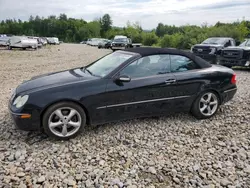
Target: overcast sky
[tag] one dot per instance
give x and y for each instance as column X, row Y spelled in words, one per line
column 147, row 12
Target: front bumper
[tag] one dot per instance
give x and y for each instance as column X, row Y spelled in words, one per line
column 27, row 124
column 233, row 62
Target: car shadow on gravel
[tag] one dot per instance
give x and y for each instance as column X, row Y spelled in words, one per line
column 9, row 132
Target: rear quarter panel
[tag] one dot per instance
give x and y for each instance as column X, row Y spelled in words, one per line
column 218, row 79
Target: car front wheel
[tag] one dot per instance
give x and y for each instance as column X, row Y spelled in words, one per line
column 64, row 120
column 206, row 105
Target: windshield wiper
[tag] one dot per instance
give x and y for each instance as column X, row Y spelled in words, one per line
column 89, row 71
column 85, row 69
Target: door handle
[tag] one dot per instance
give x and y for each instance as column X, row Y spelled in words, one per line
column 170, row 81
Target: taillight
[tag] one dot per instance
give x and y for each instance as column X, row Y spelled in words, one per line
column 233, row 80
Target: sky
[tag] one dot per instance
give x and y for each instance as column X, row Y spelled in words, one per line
column 147, row 12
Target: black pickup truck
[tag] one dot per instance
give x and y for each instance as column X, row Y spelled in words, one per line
column 236, row 56
column 211, row 48
column 123, row 43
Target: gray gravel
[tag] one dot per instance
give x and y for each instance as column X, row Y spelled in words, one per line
column 175, row 151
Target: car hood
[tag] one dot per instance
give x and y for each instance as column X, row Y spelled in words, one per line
column 238, row 48
column 208, row 45
column 55, row 79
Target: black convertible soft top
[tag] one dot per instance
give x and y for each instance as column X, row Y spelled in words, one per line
column 147, row 51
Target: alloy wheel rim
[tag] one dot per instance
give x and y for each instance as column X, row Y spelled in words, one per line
column 208, row 104
column 64, row 122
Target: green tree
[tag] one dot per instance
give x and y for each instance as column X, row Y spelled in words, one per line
column 76, row 30
column 149, row 39
column 106, row 24
column 94, row 29
column 160, row 30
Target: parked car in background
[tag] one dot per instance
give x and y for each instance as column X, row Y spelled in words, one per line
column 236, row 56
column 131, row 83
column 44, row 41
column 105, row 43
column 95, row 41
column 4, row 41
column 53, row 40
column 39, row 41
column 22, row 42
column 83, row 42
column 211, row 48
column 88, row 41
column 121, row 42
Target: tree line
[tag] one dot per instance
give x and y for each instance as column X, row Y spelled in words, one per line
column 76, row 30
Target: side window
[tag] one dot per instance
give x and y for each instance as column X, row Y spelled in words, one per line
column 228, row 43
column 148, row 66
column 181, row 63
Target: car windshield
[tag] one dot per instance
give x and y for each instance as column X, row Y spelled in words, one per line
column 107, row 64
column 245, row 43
column 120, row 40
column 214, row 41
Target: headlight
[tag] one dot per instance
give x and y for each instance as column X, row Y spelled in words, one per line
column 20, row 101
column 17, row 100
column 213, row 50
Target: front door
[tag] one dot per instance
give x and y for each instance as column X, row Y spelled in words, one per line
column 150, row 91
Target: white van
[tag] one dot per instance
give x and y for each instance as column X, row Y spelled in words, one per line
column 53, row 40
column 4, row 40
column 94, row 41
column 22, row 42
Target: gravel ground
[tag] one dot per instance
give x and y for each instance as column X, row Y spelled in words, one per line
column 175, row 151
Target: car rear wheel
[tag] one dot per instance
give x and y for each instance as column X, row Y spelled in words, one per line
column 64, row 120
column 206, row 105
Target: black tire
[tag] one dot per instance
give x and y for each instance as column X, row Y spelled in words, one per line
column 51, row 109
column 195, row 110
column 24, row 48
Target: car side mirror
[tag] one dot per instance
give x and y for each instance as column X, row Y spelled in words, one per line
column 124, row 78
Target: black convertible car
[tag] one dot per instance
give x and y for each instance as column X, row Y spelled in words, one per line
column 131, row 83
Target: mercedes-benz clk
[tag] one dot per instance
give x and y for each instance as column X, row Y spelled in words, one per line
column 132, row 83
